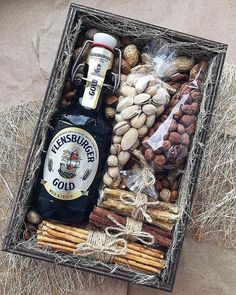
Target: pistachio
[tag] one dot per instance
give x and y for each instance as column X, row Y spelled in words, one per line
column 142, row 131
column 116, row 182
column 112, row 161
column 159, row 110
column 161, row 97
column 121, row 127
column 150, row 120
column 142, row 69
column 131, row 55
column 107, row 179
column 117, row 139
column 138, row 121
column 123, row 157
column 141, row 83
column 135, row 145
column 113, row 172
column 151, row 90
column 141, row 98
column 118, row 118
column 130, row 112
column 149, row 109
column 115, row 148
column 124, row 103
column 146, row 58
column 129, row 139
column 128, row 91
column 131, row 78
column 123, row 77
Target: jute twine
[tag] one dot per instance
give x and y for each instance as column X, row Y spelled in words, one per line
column 132, row 230
column 101, row 246
column 139, row 203
column 148, row 176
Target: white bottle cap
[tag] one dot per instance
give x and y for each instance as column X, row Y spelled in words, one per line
column 105, row 39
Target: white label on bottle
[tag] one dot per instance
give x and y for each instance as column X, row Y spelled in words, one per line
column 100, row 60
column 71, row 164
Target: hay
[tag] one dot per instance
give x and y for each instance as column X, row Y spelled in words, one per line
column 214, row 205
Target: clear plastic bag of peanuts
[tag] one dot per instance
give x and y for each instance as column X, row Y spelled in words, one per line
column 140, row 178
column 169, row 141
column 162, row 58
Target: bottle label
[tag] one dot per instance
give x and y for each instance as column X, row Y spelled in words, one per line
column 71, row 164
column 99, row 61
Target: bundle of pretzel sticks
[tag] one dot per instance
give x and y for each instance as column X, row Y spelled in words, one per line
column 68, row 239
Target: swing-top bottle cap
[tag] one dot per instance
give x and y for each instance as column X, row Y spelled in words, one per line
column 105, row 39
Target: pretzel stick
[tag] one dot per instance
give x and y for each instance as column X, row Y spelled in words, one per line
column 66, row 233
column 117, row 260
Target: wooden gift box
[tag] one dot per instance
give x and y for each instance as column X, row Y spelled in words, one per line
column 89, row 17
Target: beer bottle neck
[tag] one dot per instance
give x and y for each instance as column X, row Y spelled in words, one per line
column 99, row 62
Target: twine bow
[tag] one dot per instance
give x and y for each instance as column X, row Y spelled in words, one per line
column 100, row 244
column 139, row 202
column 147, row 172
column 133, row 228
column 148, row 176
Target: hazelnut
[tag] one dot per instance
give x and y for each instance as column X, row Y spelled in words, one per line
column 180, row 128
column 173, row 125
column 195, row 107
column 34, row 217
column 113, row 172
column 196, row 96
column 190, row 129
column 185, row 139
column 164, row 117
column 187, row 109
column 178, row 77
column 166, row 145
column 158, row 185
column 180, row 164
column 157, row 125
column 151, row 131
column 125, row 68
column 174, row 196
column 172, row 154
column 185, row 89
column 165, row 195
column 175, row 137
column 174, row 185
column 177, row 115
column 111, row 99
column 32, row 228
column 189, row 99
column 165, row 183
column 187, row 120
column 175, row 85
column 182, row 152
column 26, row 235
column 149, row 154
column 159, row 160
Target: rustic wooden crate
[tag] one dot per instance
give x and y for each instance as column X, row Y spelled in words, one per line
column 218, row 50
